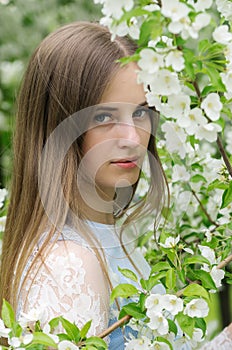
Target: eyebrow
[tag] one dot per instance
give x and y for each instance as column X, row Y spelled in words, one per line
column 108, row 108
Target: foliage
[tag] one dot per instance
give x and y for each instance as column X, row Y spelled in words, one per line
column 185, row 63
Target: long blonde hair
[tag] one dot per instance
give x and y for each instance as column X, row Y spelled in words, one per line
column 69, row 71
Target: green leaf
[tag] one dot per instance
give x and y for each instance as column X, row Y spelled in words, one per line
column 127, row 59
column 135, row 12
column 72, row 330
column 124, row 290
column 205, row 278
column 170, row 279
column 8, row 315
column 44, row 339
column 172, row 326
column 143, row 239
column 152, row 281
column 17, row 329
column 85, row 329
column 217, row 184
column 200, row 323
column 54, row 322
column 162, row 265
column 164, row 340
column 142, row 300
column 197, row 178
column 150, row 29
column 64, row 336
column 186, row 323
column 97, row 342
column 134, row 310
column 215, row 78
column 197, row 259
column 195, row 290
column 227, row 196
column 128, row 274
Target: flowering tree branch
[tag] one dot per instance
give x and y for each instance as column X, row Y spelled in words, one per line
column 203, row 209
column 224, row 155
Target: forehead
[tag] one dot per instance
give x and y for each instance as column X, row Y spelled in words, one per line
column 123, row 87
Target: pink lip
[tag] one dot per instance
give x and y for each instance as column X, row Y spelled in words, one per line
column 125, row 163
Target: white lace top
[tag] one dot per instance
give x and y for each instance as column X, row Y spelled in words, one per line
column 70, row 282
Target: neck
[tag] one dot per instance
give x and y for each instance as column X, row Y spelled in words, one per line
column 96, row 206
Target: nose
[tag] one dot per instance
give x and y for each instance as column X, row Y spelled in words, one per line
column 128, row 135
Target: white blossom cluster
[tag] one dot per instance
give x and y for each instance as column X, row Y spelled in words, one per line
column 159, row 309
column 24, row 340
column 188, row 79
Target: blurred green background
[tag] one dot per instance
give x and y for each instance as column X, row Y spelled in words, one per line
column 23, row 24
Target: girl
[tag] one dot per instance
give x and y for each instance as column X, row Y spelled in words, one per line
column 83, row 130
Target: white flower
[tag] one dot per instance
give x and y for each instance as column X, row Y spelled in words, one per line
column 228, row 140
column 23, row 339
column 225, row 8
column 217, row 276
column 222, row 34
column 178, row 107
column 154, row 304
column 165, row 83
column 3, row 330
column 157, row 345
column 202, row 5
column 153, row 100
column 159, row 323
column 208, row 132
column 175, row 59
column 151, row 7
column 197, row 308
column 194, row 119
column 32, row 316
column 208, row 235
column 201, row 21
column 27, row 339
column 67, row 345
column 175, row 138
column 172, row 304
column 138, row 344
column 174, row 9
column 208, row 253
column 179, row 173
column 47, row 329
column 227, row 80
column 115, row 8
column 3, row 194
column 188, row 250
column 212, row 106
column 228, row 52
column 150, row 60
column 170, row 242
column 14, row 341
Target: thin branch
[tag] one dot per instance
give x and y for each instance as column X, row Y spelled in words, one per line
column 197, row 89
column 203, row 209
column 224, row 155
column 224, row 262
column 114, row 326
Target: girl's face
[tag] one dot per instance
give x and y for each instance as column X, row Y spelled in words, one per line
column 118, row 134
